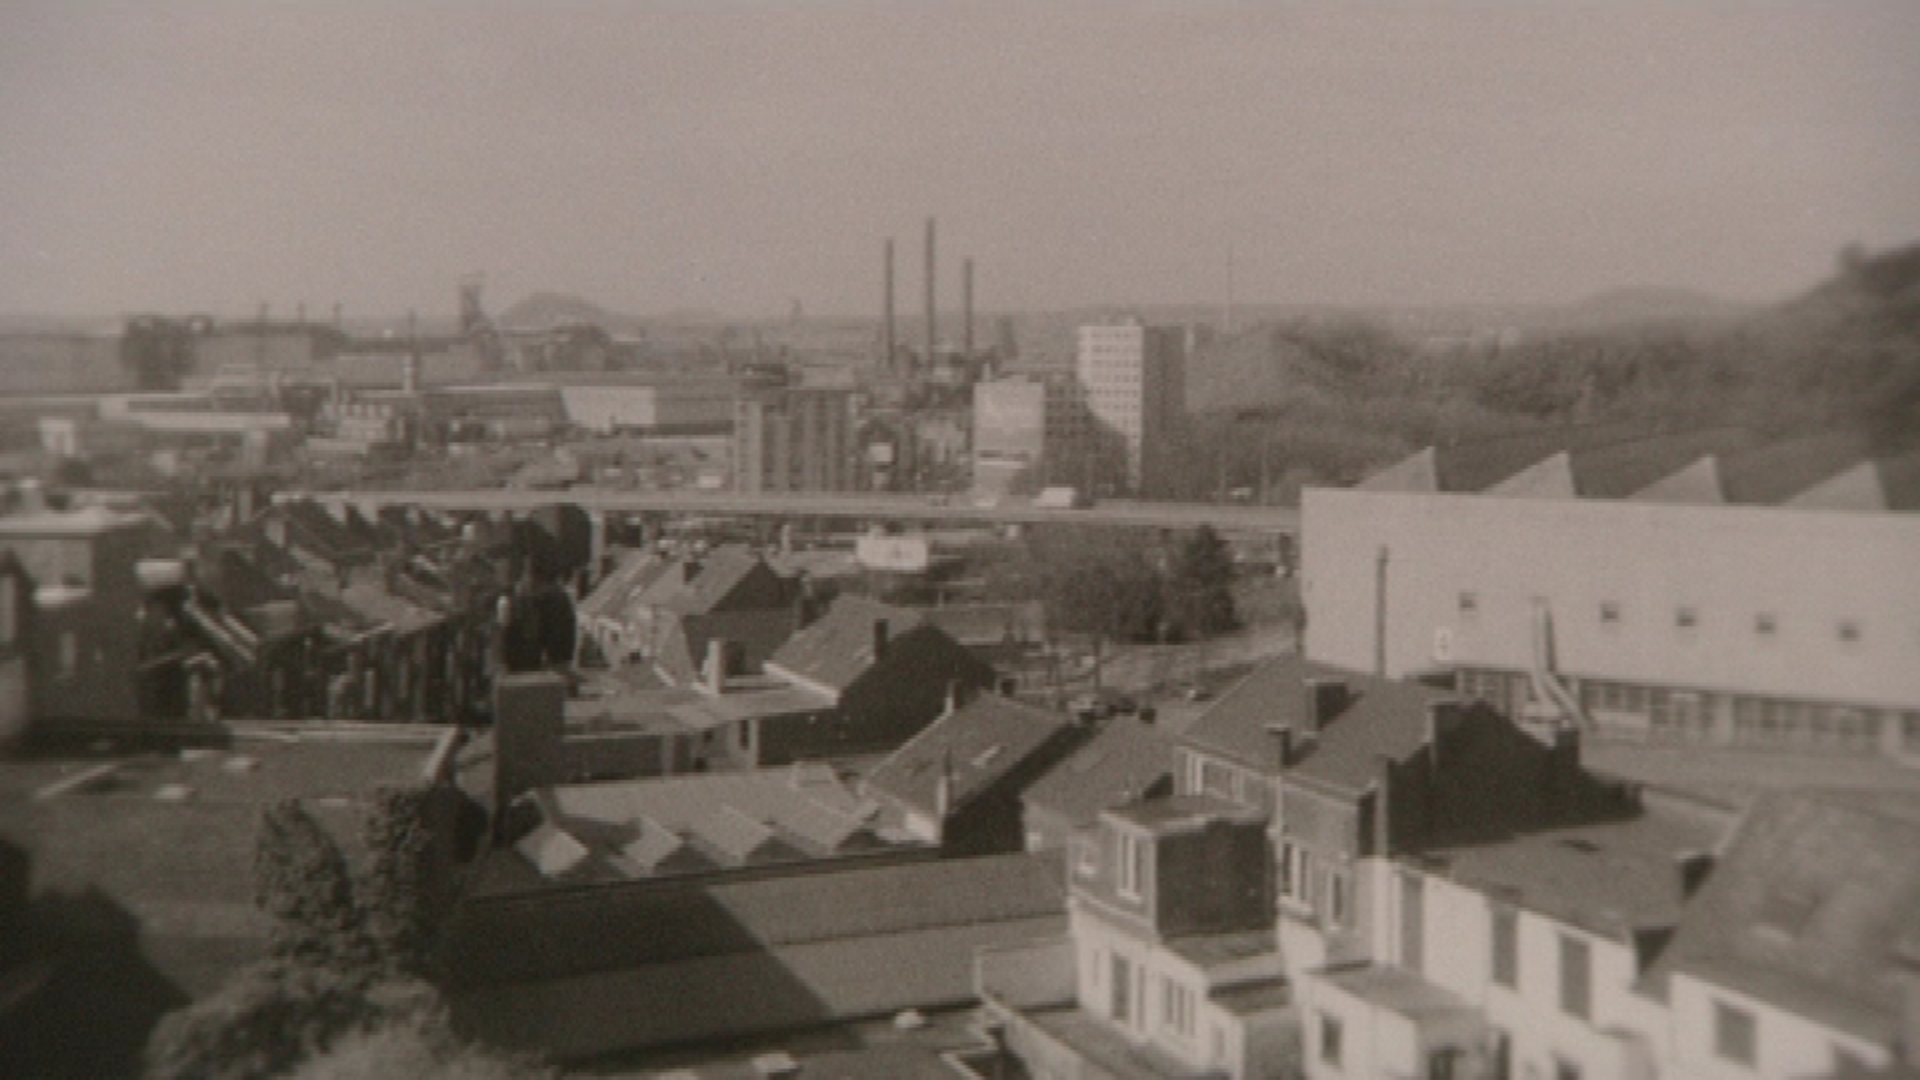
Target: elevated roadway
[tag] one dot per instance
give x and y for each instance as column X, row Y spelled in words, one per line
column 1224, row 517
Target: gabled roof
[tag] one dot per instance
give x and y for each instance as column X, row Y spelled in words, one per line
column 1125, row 761
column 1381, row 716
column 724, row 573
column 1615, row 879
column 976, row 745
column 838, row 649
column 635, row 572
column 1807, row 907
column 1772, row 474
column 732, row 819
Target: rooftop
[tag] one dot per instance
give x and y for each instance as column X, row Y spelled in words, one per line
column 1612, row 879
column 975, row 746
column 1181, row 812
column 1121, row 763
column 1806, row 908
column 839, row 648
column 1380, row 716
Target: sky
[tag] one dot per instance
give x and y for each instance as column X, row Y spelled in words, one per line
column 741, row 155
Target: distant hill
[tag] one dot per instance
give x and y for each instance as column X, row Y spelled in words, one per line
column 543, row 310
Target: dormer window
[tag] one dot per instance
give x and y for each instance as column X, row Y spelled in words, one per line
column 1132, row 868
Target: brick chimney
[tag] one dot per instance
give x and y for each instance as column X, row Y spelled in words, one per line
column 1280, row 737
column 1382, row 806
column 1693, row 868
column 716, row 666
column 1325, row 698
column 1443, row 723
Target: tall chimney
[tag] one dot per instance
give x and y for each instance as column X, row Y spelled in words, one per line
column 1382, row 806
column 966, row 306
column 886, row 358
column 879, row 640
column 931, row 330
column 1380, row 614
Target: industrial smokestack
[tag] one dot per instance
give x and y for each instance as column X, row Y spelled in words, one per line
column 886, row 358
column 966, row 305
column 928, row 358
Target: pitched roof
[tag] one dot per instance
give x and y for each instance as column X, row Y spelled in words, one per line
column 1810, row 901
column 1697, row 482
column 1417, row 472
column 1857, row 488
column 722, row 573
column 748, row 915
column 838, row 648
column 1123, row 762
column 976, row 745
column 1549, row 478
column 732, row 819
column 1614, row 878
column 1381, row 716
column 636, row 571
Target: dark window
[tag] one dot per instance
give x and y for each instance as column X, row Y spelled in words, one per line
column 1735, row 1033
column 1469, row 603
column 1565, row 1070
column 1329, row 1040
column 1506, row 947
column 1576, row 977
column 1686, row 617
column 1763, row 623
column 1609, row 612
column 1849, row 631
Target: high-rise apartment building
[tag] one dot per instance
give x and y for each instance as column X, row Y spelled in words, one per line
column 1134, row 377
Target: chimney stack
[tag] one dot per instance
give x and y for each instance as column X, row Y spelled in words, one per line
column 716, row 666
column 1443, row 720
column 879, row 640
column 1325, row 698
column 1382, row 806
column 887, row 345
column 1281, row 737
column 966, row 306
column 1693, row 867
column 943, row 787
column 931, row 330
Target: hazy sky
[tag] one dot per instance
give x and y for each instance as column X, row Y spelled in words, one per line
column 209, row 156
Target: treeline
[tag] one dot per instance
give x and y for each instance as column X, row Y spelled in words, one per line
column 1329, row 400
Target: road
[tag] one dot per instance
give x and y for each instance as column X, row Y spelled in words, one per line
column 1165, row 515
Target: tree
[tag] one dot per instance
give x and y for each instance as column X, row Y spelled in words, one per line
column 1200, row 592
column 400, row 895
column 300, row 878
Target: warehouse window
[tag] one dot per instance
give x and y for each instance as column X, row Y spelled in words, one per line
column 1686, row 617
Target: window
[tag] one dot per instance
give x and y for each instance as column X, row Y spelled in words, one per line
column 1565, row 1070
column 1609, row 612
column 1133, row 865
column 1285, row 869
column 69, row 655
column 1469, row 603
column 1337, row 899
column 1506, row 947
column 1330, row 1040
column 1176, row 1007
column 1686, row 618
column 1576, row 977
column 1086, row 861
column 1735, row 1033
column 1849, row 631
column 1764, row 624
column 8, row 598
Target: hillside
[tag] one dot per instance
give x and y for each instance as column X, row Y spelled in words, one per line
column 1330, row 396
